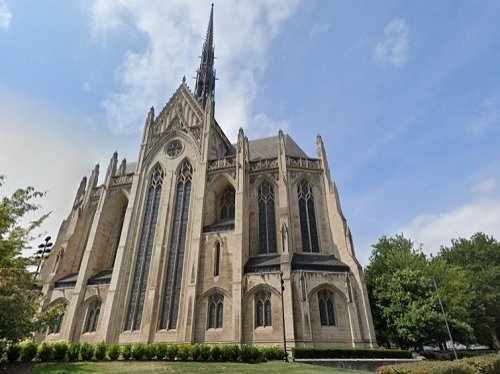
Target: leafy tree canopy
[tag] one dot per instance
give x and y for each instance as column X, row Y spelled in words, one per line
column 18, row 297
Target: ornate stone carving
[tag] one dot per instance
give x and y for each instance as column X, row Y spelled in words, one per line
column 174, row 148
column 303, row 163
column 268, row 163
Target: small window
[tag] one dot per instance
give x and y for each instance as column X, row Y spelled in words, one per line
column 217, row 259
column 326, row 310
column 93, row 316
column 227, row 204
column 215, row 311
column 263, row 312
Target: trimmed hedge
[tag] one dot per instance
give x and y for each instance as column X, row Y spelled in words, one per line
column 348, row 353
column 13, row 352
column 475, row 365
column 113, row 351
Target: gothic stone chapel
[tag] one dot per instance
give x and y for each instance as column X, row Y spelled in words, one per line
column 189, row 243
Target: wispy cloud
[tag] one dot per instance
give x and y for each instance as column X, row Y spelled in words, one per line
column 394, row 49
column 243, row 33
column 436, row 229
column 486, row 186
column 5, row 15
column 487, row 114
column 319, row 28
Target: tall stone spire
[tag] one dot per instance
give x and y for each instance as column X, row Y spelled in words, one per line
column 205, row 77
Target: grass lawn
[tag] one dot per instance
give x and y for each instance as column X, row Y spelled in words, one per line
column 152, row 367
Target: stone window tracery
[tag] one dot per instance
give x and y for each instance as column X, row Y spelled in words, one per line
column 267, row 219
column 326, row 309
column 263, row 312
column 307, row 213
column 174, row 148
column 227, row 204
column 55, row 328
column 93, row 316
column 141, row 270
column 176, row 249
column 215, row 311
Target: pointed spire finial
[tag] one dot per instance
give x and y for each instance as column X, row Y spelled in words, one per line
column 205, row 77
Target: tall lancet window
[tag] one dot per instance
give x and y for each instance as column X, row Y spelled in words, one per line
column 326, row 310
column 263, row 313
column 227, row 204
column 93, row 316
column 175, row 262
column 141, row 270
column 217, row 259
column 308, row 228
column 267, row 221
column 215, row 311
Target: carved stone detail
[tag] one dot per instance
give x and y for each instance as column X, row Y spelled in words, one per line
column 174, row 148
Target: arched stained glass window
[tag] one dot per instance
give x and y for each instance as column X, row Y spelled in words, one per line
column 141, row 269
column 308, row 228
column 326, row 309
column 217, row 259
column 175, row 261
column 263, row 312
column 93, row 316
column 227, row 204
column 55, row 328
column 215, row 311
column 267, row 219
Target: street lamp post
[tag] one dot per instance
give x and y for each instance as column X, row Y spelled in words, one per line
column 285, row 357
column 43, row 249
column 445, row 320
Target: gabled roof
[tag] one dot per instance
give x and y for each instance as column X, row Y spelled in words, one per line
column 268, row 148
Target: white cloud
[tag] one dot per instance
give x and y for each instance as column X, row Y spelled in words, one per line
column 5, row 15
column 486, row 116
column 394, row 48
column 485, row 186
column 174, row 34
column 319, row 29
column 435, row 230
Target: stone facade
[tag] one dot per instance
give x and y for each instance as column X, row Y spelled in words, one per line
column 190, row 243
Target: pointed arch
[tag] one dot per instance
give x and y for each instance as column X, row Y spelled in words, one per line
column 145, row 247
column 267, row 218
column 176, row 248
column 307, row 213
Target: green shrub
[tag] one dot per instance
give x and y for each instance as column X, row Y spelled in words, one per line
column 100, row 351
column 44, row 353
column 59, row 351
column 348, row 353
column 13, row 352
column 87, row 351
column 216, row 353
column 161, row 351
column 249, row 353
column 272, row 353
column 196, row 352
column 184, row 352
column 205, row 352
column 126, row 351
column 138, row 351
column 172, row 350
column 113, row 351
column 150, row 351
column 73, row 353
column 28, row 350
column 484, row 364
column 230, row 353
column 476, row 365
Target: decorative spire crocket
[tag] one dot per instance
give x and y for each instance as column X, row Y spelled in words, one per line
column 205, row 77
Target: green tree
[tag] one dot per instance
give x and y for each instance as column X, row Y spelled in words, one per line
column 479, row 257
column 404, row 303
column 17, row 295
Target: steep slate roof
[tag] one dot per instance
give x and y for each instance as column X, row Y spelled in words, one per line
column 268, row 148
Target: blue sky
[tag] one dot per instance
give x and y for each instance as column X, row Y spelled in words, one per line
column 406, row 96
